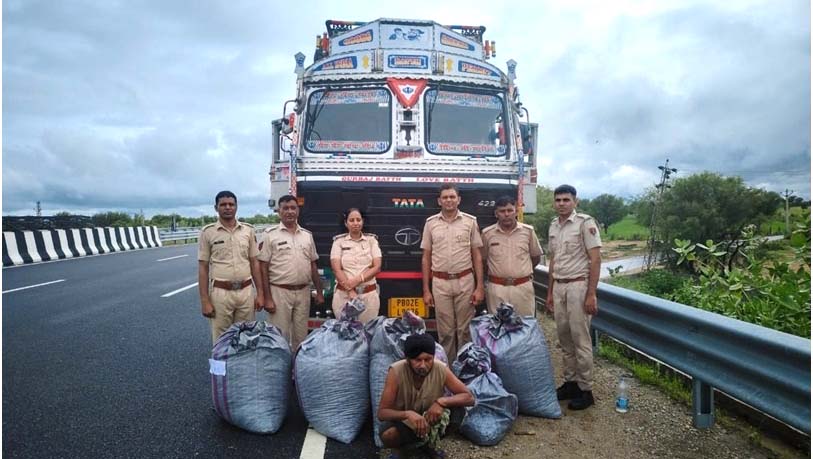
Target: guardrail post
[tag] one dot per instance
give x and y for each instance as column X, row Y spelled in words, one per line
column 702, row 404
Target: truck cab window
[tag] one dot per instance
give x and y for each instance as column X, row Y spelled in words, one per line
column 348, row 121
column 462, row 123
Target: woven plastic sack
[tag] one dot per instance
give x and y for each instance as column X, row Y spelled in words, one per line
column 331, row 370
column 489, row 420
column 519, row 355
column 251, row 376
column 387, row 347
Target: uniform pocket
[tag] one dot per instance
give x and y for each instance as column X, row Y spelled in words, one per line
column 244, row 248
column 462, row 239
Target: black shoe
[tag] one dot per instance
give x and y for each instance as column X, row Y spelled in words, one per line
column 568, row 390
column 583, row 401
column 432, row 453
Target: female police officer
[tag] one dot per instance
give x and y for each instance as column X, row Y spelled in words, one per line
column 356, row 258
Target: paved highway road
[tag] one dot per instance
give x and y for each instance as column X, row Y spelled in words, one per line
column 106, row 356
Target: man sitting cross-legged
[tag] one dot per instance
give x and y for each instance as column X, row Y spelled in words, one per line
column 414, row 411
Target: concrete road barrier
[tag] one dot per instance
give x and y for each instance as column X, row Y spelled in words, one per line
column 26, row 247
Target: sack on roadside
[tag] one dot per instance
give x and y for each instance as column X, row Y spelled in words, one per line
column 495, row 410
column 251, row 376
column 519, row 355
column 331, row 375
column 387, row 347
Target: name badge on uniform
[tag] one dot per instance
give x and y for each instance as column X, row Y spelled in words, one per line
column 347, row 248
column 281, row 243
column 494, row 243
column 218, row 242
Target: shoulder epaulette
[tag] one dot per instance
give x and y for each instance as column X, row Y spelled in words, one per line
column 490, row 228
column 339, row 236
column 371, row 235
column 554, row 219
column 208, row 226
column 303, row 229
column 525, row 225
column 433, row 217
column 271, row 228
column 468, row 215
column 247, row 224
column 584, row 216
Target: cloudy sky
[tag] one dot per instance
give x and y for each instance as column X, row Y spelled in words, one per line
column 157, row 105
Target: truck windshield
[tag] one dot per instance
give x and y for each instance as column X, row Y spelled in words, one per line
column 461, row 123
column 348, row 121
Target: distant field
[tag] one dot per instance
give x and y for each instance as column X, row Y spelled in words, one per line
column 776, row 225
column 628, row 230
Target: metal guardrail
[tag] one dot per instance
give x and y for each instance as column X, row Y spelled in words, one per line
column 190, row 233
column 764, row 368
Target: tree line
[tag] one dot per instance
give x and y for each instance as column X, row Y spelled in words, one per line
column 698, row 207
column 125, row 219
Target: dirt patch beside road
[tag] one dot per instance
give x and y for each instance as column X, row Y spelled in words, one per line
column 611, row 250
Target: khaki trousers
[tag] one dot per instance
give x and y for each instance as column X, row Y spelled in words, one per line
column 231, row 306
column 573, row 328
column 522, row 297
column 291, row 315
column 372, row 304
column 453, row 312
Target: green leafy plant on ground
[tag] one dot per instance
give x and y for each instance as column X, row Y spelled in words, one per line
column 656, row 282
column 774, row 293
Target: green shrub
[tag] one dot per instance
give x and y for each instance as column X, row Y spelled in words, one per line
column 773, row 292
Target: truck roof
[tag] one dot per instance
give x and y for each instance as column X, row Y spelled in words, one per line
column 405, row 47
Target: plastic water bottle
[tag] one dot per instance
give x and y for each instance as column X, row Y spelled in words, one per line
column 622, row 399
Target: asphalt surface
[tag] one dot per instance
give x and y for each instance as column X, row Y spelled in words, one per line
column 100, row 365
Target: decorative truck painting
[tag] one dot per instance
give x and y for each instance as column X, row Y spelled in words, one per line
column 388, row 111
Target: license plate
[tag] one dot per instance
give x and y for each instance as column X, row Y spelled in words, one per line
column 397, row 307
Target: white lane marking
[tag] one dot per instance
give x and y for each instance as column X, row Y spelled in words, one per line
column 314, row 445
column 167, row 295
column 32, row 286
column 172, row 258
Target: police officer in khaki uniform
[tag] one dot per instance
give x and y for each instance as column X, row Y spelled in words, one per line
column 452, row 261
column 288, row 264
column 227, row 263
column 511, row 250
column 356, row 258
column 575, row 264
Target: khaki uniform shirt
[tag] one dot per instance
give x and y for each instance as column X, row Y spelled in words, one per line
column 227, row 251
column 355, row 256
column 509, row 253
column 569, row 243
column 451, row 241
column 288, row 254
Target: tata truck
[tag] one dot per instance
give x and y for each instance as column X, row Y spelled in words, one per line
column 387, row 112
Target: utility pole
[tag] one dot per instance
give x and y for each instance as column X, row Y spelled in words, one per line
column 666, row 172
column 787, row 194
column 38, row 209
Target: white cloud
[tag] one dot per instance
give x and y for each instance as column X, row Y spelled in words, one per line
column 156, row 105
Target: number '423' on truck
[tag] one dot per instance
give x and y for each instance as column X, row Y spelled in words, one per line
column 388, row 111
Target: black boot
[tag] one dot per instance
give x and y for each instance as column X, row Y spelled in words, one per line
column 582, row 401
column 568, row 390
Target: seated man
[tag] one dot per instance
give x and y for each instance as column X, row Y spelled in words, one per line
column 413, row 409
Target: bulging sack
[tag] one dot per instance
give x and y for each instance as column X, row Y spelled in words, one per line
column 519, row 355
column 387, row 347
column 489, row 420
column 331, row 376
column 251, row 376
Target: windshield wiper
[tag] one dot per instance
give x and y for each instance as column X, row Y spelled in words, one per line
column 429, row 110
column 313, row 114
